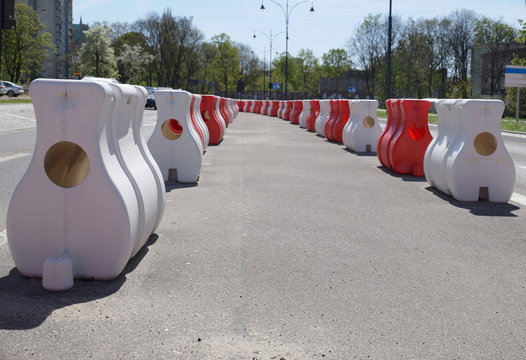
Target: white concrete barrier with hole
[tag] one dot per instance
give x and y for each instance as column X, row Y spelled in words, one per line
column 439, row 149
column 477, row 164
column 174, row 144
column 305, row 111
column 75, row 213
column 362, row 131
column 323, row 116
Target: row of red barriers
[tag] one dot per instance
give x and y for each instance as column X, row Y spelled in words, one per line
column 401, row 145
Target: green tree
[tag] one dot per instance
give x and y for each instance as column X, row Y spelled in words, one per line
column 335, row 63
column 131, row 62
column 367, row 46
column 227, row 61
column 97, row 57
column 308, row 64
column 25, row 49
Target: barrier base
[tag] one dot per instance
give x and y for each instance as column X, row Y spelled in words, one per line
column 58, row 273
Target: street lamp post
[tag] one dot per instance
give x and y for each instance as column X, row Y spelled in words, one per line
column 389, row 40
column 264, row 65
column 270, row 38
column 287, row 12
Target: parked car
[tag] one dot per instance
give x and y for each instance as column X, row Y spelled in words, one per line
column 150, row 101
column 3, row 90
column 11, row 89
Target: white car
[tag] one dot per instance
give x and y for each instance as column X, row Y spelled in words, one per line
column 11, row 89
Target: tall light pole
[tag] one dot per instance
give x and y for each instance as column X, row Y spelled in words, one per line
column 287, row 12
column 389, row 40
column 264, row 66
column 270, row 39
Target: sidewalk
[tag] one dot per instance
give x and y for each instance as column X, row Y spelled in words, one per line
column 292, row 247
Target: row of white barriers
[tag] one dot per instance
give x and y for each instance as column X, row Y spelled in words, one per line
column 94, row 190
column 467, row 159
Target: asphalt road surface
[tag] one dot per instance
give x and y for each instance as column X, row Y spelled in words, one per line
column 290, row 247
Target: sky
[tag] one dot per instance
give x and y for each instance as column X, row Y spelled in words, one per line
column 328, row 27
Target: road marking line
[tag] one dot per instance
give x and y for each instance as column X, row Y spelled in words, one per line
column 521, row 167
column 518, row 198
column 17, row 116
column 13, row 156
column 3, row 237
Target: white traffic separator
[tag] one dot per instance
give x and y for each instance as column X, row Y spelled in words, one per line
column 13, row 156
column 518, row 198
column 3, row 237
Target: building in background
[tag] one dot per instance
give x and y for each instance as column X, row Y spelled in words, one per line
column 334, row 88
column 57, row 17
column 482, row 61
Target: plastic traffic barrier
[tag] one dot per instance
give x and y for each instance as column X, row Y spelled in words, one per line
column 310, row 122
column 223, row 109
column 200, row 121
column 274, row 108
column 89, row 198
column 257, row 108
column 333, row 119
column 215, row 125
column 174, row 143
column 288, row 110
column 263, row 110
column 341, row 121
column 281, row 109
column 247, row 106
column 384, row 141
column 409, row 143
column 468, row 158
column 321, row 120
column 296, row 110
column 362, row 131
column 305, row 112
column 194, row 123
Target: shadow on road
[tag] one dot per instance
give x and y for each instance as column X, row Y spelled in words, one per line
column 366, row 154
column 478, row 208
column 24, row 304
column 407, row 177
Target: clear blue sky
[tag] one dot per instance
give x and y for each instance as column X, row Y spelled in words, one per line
column 327, row 28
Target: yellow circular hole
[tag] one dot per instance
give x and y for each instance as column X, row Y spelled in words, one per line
column 172, row 129
column 368, row 122
column 66, row 164
column 485, row 144
column 207, row 115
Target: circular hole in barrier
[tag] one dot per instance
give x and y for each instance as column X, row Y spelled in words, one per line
column 66, row 164
column 485, row 144
column 207, row 115
column 368, row 122
column 172, row 129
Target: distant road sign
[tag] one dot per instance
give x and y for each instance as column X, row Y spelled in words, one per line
column 351, row 89
column 515, row 76
column 276, row 86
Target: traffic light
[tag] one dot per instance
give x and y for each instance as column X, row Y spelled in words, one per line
column 8, row 14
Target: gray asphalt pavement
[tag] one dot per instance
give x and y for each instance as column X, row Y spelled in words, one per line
column 291, row 247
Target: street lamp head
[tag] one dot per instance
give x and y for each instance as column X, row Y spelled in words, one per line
column 262, row 6
column 254, row 36
column 312, row 7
